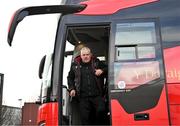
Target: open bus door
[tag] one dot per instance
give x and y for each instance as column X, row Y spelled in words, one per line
column 96, row 37
column 137, row 79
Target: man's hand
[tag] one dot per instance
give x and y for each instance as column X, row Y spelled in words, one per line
column 98, row 72
column 72, row 93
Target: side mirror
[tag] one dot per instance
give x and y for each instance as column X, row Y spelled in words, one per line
column 20, row 14
column 41, row 67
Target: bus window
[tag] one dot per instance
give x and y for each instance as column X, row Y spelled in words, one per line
column 135, row 33
column 131, row 75
column 146, row 52
column 127, row 53
column 67, row 61
column 135, row 51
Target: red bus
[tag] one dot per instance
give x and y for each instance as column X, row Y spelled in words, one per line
column 139, row 40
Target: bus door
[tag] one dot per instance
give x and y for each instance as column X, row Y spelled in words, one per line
column 136, row 75
column 96, row 37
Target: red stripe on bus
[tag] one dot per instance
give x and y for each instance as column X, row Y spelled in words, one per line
column 104, row 7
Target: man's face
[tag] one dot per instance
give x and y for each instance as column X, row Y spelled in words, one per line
column 85, row 56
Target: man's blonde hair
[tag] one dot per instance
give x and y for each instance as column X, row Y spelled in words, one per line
column 85, row 49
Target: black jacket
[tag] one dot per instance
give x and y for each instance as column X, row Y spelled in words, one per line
column 74, row 76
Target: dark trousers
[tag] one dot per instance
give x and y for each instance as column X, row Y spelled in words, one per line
column 92, row 110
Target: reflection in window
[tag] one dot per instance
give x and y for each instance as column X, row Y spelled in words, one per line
column 135, row 33
column 131, row 75
column 146, row 52
column 125, row 53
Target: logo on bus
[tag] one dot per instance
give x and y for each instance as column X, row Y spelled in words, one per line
column 173, row 75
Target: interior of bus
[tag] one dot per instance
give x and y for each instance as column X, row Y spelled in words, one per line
column 97, row 39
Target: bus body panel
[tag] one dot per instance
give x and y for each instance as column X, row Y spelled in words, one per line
column 174, row 94
column 48, row 114
column 157, row 115
column 174, row 103
column 172, row 66
column 110, row 6
column 175, row 115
